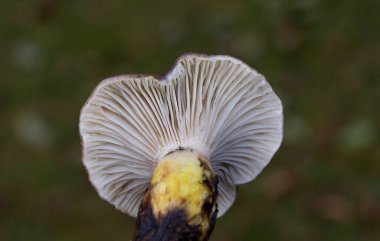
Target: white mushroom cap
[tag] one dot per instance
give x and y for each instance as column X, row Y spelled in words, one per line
column 216, row 105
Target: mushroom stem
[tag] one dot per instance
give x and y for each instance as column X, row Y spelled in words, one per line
column 180, row 203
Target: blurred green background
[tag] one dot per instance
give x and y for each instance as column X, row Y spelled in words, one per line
column 322, row 57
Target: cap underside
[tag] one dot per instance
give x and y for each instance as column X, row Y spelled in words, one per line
column 216, row 105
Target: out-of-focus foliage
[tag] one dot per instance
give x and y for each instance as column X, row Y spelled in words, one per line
column 321, row 56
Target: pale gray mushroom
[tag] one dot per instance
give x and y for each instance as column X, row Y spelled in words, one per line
column 215, row 105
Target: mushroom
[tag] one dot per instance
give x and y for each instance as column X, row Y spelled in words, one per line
column 171, row 150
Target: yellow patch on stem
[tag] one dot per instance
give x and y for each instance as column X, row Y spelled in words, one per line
column 178, row 182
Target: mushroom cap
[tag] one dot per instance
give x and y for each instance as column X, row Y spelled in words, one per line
column 216, row 105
